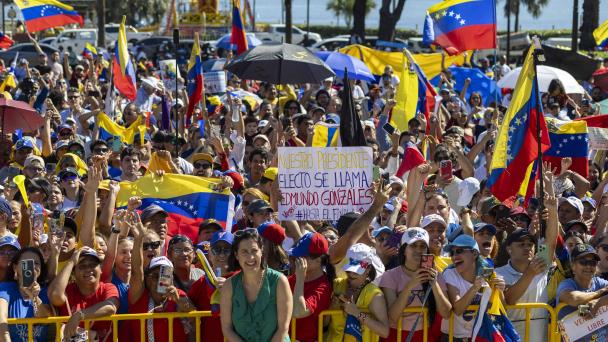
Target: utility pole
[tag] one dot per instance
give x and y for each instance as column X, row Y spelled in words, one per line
column 101, row 23
column 288, row 23
column 508, row 31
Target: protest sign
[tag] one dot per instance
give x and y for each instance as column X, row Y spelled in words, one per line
column 324, row 183
column 576, row 328
column 215, row 82
column 168, row 71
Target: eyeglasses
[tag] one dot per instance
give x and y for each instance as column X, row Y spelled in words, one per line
column 458, row 251
column 151, row 245
column 186, row 250
column 203, row 166
column 603, row 247
column 218, row 251
column 587, row 262
column 248, row 231
column 100, row 150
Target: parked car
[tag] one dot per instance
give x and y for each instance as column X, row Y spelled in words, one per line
column 27, row 51
column 150, row 45
column 331, row 44
column 76, row 39
column 276, row 33
column 48, row 40
column 133, row 36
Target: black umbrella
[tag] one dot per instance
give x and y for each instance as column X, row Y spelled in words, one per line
column 279, row 64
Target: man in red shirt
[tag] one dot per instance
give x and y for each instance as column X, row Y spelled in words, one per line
column 86, row 297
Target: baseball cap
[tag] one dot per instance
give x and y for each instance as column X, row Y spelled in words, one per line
column 519, row 211
column 310, row 244
column 481, row 226
column 380, row 230
column 428, row 219
column 61, row 144
column 573, row 223
column 395, row 180
column 271, row 173
column 258, row 205
column 68, row 171
column 389, row 205
column 261, row 136
column 589, row 200
column 573, row 201
column 202, row 156
column 272, row 232
column 24, row 143
column 88, row 252
column 332, row 118
column 152, row 210
column 466, row 190
column 345, row 221
column 237, row 179
column 5, row 207
column 582, row 250
column 9, row 240
column 33, row 159
column 225, row 236
column 204, row 246
column 137, row 137
column 488, row 204
column 263, row 123
column 209, row 223
column 464, row 241
column 454, row 130
column 518, row 235
column 63, row 127
column 360, row 256
column 414, row 234
column 70, row 224
column 160, row 261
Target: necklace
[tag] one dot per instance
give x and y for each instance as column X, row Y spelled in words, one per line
column 407, row 269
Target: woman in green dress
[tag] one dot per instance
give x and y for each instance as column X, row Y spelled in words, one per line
column 256, row 303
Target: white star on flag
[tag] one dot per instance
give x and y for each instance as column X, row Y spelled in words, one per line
column 451, row 14
column 457, row 16
column 461, row 21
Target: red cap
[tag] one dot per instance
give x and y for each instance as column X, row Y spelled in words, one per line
column 310, row 244
column 237, row 178
column 404, row 206
column 273, row 232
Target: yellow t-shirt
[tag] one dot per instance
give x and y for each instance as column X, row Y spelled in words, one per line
column 336, row 325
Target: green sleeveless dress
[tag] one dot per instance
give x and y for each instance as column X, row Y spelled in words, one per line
column 256, row 322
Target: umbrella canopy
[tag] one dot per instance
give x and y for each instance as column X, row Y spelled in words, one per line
column 279, row 64
column 245, row 96
column 357, row 70
column 224, row 41
column 18, row 115
column 214, row 64
column 600, row 79
column 479, row 83
column 545, row 75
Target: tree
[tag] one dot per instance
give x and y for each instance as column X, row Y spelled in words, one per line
column 591, row 20
column 346, row 9
column 389, row 19
column 360, row 8
column 147, row 11
column 534, row 7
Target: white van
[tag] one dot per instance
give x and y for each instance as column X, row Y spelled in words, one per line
column 76, row 39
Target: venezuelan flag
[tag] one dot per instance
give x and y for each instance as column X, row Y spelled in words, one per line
column 237, row 36
column 326, row 135
column 188, row 200
column 352, row 330
column 568, row 139
column 89, row 51
column 460, row 25
column 122, row 66
column 126, row 134
column 195, row 79
column 516, row 144
column 601, row 36
column 44, row 14
column 5, row 41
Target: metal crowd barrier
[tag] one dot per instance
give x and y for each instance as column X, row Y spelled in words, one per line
column 553, row 332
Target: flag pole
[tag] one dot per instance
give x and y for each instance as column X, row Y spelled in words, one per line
column 539, row 56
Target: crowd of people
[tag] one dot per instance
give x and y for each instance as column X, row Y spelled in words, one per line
column 426, row 240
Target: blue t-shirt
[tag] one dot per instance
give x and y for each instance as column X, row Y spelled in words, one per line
column 571, row 285
column 123, row 291
column 20, row 308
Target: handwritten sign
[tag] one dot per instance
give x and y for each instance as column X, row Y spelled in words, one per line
column 575, row 328
column 215, row 82
column 324, row 183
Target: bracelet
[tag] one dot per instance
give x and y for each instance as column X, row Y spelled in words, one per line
column 362, row 317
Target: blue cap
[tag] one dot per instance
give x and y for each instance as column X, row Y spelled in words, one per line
column 389, row 206
column 204, row 246
column 381, row 230
column 24, row 143
column 310, row 244
column 88, row 252
column 222, row 236
column 9, row 240
column 64, row 126
column 332, row 118
column 482, row 225
column 465, row 241
column 590, row 201
column 5, row 207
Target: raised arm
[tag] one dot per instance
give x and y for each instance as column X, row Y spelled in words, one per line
column 136, row 282
column 108, row 262
column 56, row 290
column 87, row 214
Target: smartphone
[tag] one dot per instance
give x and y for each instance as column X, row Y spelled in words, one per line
column 165, row 279
column 487, row 272
column 27, row 272
column 116, row 145
column 394, row 240
column 427, row 261
column 94, row 93
column 50, row 168
column 390, row 129
column 543, row 253
column 386, row 178
column 376, row 173
column 445, row 169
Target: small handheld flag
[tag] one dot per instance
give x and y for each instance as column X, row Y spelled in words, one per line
column 122, row 66
column 44, row 14
column 601, row 36
column 195, row 79
column 238, row 36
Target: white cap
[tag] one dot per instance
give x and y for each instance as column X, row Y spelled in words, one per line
column 397, row 180
column 359, row 257
column 160, row 261
column 575, row 202
column 150, row 81
column 411, row 235
column 263, row 123
column 261, row 136
column 466, row 190
column 329, row 79
column 428, row 219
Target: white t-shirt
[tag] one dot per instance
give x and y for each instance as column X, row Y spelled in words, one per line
column 536, row 293
column 463, row 325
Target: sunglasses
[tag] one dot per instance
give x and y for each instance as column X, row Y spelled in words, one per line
column 69, row 177
column 100, row 150
column 587, row 262
column 151, row 245
column 603, row 247
column 218, row 251
column 203, row 166
column 458, row 251
column 246, row 232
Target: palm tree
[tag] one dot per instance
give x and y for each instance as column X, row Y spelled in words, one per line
column 534, row 7
column 591, row 20
column 346, row 8
column 389, row 18
column 338, row 7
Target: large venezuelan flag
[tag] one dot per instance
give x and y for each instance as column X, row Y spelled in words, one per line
column 188, row 200
column 460, row 25
column 195, row 78
column 122, row 66
column 326, row 135
column 601, row 36
column 516, row 144
column 44, row 14
column 568, row 139
column 237, row 36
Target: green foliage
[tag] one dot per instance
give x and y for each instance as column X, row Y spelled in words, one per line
column 150, row 11
column 327, row 31
column 344, row 8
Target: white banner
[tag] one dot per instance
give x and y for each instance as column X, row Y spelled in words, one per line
column 575, row 328
column 324, row 183
column 215, row 82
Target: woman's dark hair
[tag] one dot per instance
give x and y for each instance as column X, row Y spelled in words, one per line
column 288, row 103
column 432, row 304
column 175, row 240
column 556, row 84
column 327, row 267
column 10, row 273
column 475, row 93
column 276, row 253
column 239, row 236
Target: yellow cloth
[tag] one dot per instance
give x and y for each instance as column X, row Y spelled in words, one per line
column 336, row 326
column 406, row 95
column 376, row 60
column 9, row 81
column 281, row 100
column 442, row 262
column 81, row 166
column 158, row 164
column 126, row 134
